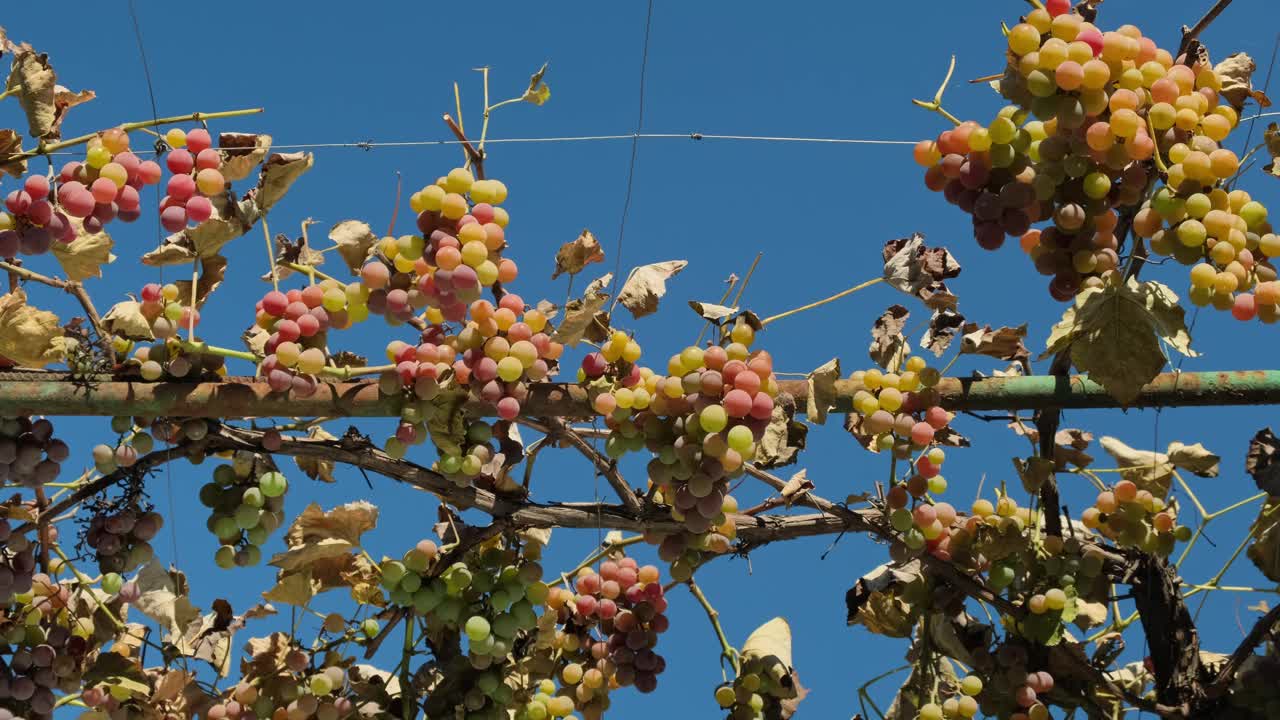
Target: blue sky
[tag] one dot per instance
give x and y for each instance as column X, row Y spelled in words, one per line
column 337, row 72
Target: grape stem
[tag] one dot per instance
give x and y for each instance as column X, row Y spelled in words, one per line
column 45, row 148
column 408, row 700
column 203, row 348
column 727, row 651
column 308, row 269
column 604, row 551
column 474, row 156
column 271, row 256
column 935, row 104
column 345, row 372
column 824, row 301
column 72, row 288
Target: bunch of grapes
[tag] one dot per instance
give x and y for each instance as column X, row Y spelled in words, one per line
column 17, row 562
column 49, row 636
column 701, row 420
column 29, row 453
column 196, row 178
column 928, row 526
column 489, row 597
column 1112, row 111
column 296, row 348
column 962, row 705
column 1135, row 517
column 246, row 498
column 756, row 691
column 32, row 222
column 120, row 538
column 609, row 625
column 134, row 442
column 900, row 412
column 297, row 690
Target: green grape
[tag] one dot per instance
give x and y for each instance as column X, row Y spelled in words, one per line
column 257, row 535
column 369, row 627
column 273, row 484
column 477, row 628
column 111, row 583
column 393, row 572
column 246, row 517
column 225, row 557
column 225, row 528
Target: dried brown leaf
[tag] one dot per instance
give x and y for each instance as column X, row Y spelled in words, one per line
column 580, row 314
column 292, row 251
column 917, row 270
column 33, row 81
column 345, row 522
column 784, row 436
column 317, row 468
column 242, row 153
column 575, row 255
column 646, row 286
column 889, row 348
column 1262, row 461
column 944, row 326
column 1236, row 72
column 1003, row 343
column 11, row 145
column 822, row 391
column 213, row 270
column 279, row 172
column 798, row 486
column 164, row 598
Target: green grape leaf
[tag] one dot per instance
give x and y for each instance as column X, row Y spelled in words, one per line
column 354, row 240
column 822, row 391
column 28, row 336
column 1115, row 335
column 1265, row 550
column 83, row 257
column 126, row 320
column 919, row 689
column 242, row 153
column 889, row 348
column 646, row 285
column 1045, row 629
column 576, row 254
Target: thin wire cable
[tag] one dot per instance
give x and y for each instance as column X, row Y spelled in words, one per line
column 694, row 136
column 1266, row 85
column 155, row 114
column 635, row 145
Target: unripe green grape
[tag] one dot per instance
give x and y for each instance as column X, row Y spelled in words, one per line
column 257, row 535
column 225, row 557
column 225, row 528
column 273, row 484
column 369, row 627
column 393, row 572
column 111, row 583
column 246, row 517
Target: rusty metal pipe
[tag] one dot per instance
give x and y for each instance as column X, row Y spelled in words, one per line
column 53, row 394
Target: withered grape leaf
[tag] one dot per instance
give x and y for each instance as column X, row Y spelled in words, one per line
column 646, row 285
column 576, row 254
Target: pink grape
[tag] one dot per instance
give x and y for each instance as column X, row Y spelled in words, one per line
column 180, row 162
column 104, row 191
column 173, row 218
column 149, row 172
column 37, row 187
column 508, row 408
column 199, row 208
column 198, row 140
column 180, row 187
column 274, row 303
column 208, row 159
column 1244, row 307
column 737, row 403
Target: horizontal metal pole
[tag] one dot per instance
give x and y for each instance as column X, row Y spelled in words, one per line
column 34, row 393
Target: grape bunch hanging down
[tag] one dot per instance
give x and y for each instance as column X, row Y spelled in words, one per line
column 1106, row 127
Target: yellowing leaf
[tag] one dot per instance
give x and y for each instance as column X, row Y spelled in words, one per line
column 83, row 257
column 345, row 522
column 278, row 175
column 212, row 271
column 646, row 285
column 34, row 82
column 126, row 320
column 771, row 640
column 164, row 598
column 28, row 336
column 537, row 93
column 354, row 240
column 575, row 255
column 822, row 391
column 295, row 588
column 300, row 556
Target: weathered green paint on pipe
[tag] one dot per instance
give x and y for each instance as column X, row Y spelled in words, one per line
column 50, row 394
